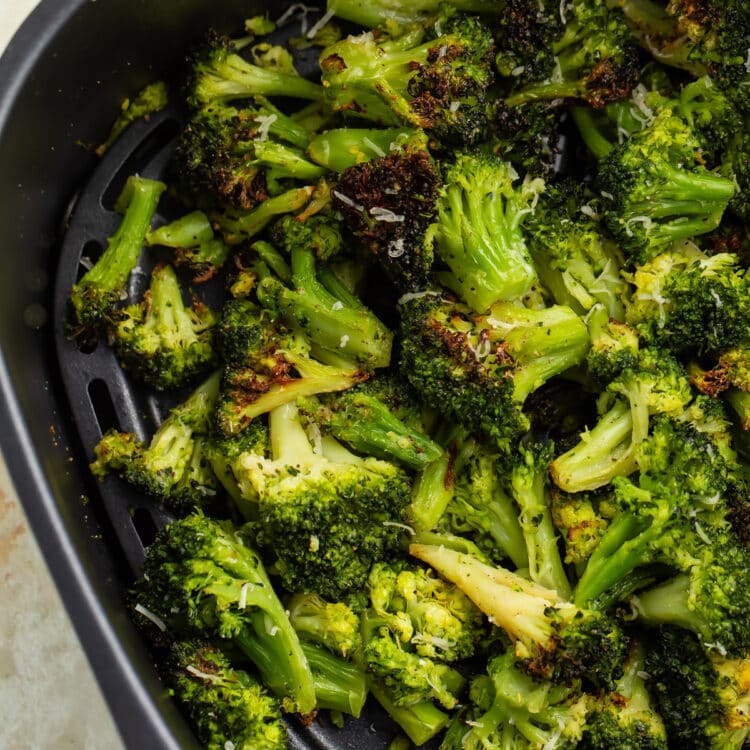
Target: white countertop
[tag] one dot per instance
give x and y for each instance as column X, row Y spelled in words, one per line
column 48, row 695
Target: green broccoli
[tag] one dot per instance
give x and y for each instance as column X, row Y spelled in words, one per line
column 162, row 341
column 626, row 717
column 582, row 50
column 614, row 346
column 703, row 696
column 219, row 74
column 96, row 296
column 434, row 77
column 577, row 262
column 656, row 384
column 657, row 191
column 382, row 12
column 477, row 232
column 266, row 365
column 553, row 638
column 330, row 624
column 225, row 706
column 174, row 467
column 511, row 709
column 359, row 418
column 687, row 301
column 201, row 578
column 327, row 515
column 482, row 368
column 388, row 203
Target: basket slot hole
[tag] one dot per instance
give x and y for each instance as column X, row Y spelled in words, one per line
column 144, row 525
column 103, row 406
column 139, row 159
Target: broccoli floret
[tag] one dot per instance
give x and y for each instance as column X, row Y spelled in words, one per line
column 320, row 232
column 669, row 516
column 529, row 485
column 384, row 12
column 626, row 717
column 510, row 709
column 96, row 296
column 435, row 77
column 656, row 384
column 711, row 599
column 161, row 340
column 687, row 301
column 201, row 578
column 219, row 74
column 582, row 519
column 482, row 508
column 224, row 705
column 327, row 516
column 481, row 369
column 614, row 346
column 703, row 696
column 575, row 259
column 583, row 50
column 553, row 639
column 660, row 192
column 364, row 422
column 331, row 624
column 709, row 36
column 174, row 467
column 266, row 366
column 388, row 203
column 478, row 234
column 151, row 99
column 339, row 327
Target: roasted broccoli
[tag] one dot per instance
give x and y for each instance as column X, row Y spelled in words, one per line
column 226, row 706
column 99, row 292
column 481, row 368
column 553, row 638
column 325, row 514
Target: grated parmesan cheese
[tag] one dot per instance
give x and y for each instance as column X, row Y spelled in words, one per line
column 385, row 214
column 320, row 23
column 266, row 121
column 149, row 615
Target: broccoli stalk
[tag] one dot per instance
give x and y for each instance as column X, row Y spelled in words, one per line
column 99, row 291
column 219, row 74
column 224, row 705
column 529, row 480
column 478, row 231
column 162, row 341
column 381, row 12
column 201, row 578
column 553, row 638
column 340, row 148
column 174, row 466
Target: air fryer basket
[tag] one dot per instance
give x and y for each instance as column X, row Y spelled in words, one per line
column 61, row 81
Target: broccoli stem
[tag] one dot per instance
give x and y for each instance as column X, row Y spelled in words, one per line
column 341, row 148
column 289, row 441
column 669, row 604
column 529, row 487
column 234, row 78
column 339, row 684
column 377, row 13
column 239, row 227
column 190, row 230
column 101, row 287
column 434, row 487
column 621, row 550
column 167, row 315
column 285, row 162
column 420, row 721
column 586, row 122
column 279, row 657
column 604, row 452
column 739, row 402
